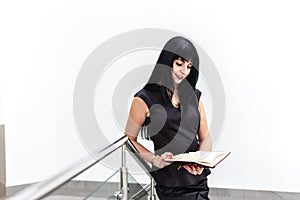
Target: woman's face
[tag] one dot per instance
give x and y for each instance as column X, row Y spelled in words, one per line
column 180, row 70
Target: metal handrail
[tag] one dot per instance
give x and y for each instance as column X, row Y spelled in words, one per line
column 43, row 188
column 138, row 158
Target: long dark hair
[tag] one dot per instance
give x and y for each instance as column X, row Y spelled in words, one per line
column 177, row 47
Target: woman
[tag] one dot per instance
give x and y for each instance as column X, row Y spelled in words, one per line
column 172, row 115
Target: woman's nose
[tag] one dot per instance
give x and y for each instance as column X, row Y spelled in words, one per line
column 184, row 69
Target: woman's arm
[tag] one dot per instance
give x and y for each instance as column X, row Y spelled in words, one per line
column 205, row 143
column 136, row 118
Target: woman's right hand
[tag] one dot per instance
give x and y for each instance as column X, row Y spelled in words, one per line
column 194, row 169
column 159, row 161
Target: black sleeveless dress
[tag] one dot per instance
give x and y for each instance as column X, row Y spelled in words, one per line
column 174, row 130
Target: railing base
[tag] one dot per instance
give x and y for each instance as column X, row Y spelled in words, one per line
column 2, row 163
column 151, row 197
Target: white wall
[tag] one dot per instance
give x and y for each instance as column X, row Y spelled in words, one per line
column 253, row 44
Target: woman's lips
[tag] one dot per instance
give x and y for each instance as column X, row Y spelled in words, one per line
column 179, row 76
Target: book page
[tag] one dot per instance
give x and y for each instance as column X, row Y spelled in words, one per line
column 205, row 158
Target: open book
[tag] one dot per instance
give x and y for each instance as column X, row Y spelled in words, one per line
column 205, row 158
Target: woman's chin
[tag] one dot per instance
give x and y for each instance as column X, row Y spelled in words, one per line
column 178, row 82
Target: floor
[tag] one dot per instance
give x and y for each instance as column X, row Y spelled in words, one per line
column 80, row 189
column 211, row 197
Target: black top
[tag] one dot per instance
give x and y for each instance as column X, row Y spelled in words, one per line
column 172, row 130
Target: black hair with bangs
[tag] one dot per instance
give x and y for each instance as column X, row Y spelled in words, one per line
column 175, row 48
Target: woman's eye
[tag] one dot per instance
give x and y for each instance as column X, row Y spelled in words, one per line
column 179, row 64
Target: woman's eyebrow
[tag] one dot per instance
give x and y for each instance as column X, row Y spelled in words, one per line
column 184, row 60
column 189, row 62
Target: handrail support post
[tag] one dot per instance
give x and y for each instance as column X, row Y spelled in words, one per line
column 151, row 196
column 124, row 175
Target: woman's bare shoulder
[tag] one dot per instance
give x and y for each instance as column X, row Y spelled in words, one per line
column 139, row 104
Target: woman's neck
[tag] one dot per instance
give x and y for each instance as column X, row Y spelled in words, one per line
column 175, row 86
column 175, row 97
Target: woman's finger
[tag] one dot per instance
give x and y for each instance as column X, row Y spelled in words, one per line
column 189, row 168
column 167, row 155
column 193, row 168
column 199, row 169
column 165, row 163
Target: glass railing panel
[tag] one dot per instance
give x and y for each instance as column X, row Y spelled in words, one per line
column 101, row 181
column 91, row 179
column 136, row 190
column 106, row 189
column 98, row 182
column 109, row 190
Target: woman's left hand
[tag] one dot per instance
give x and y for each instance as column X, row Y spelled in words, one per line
column 194, row 169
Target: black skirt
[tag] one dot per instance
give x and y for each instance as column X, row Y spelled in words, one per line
column 195, row 192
